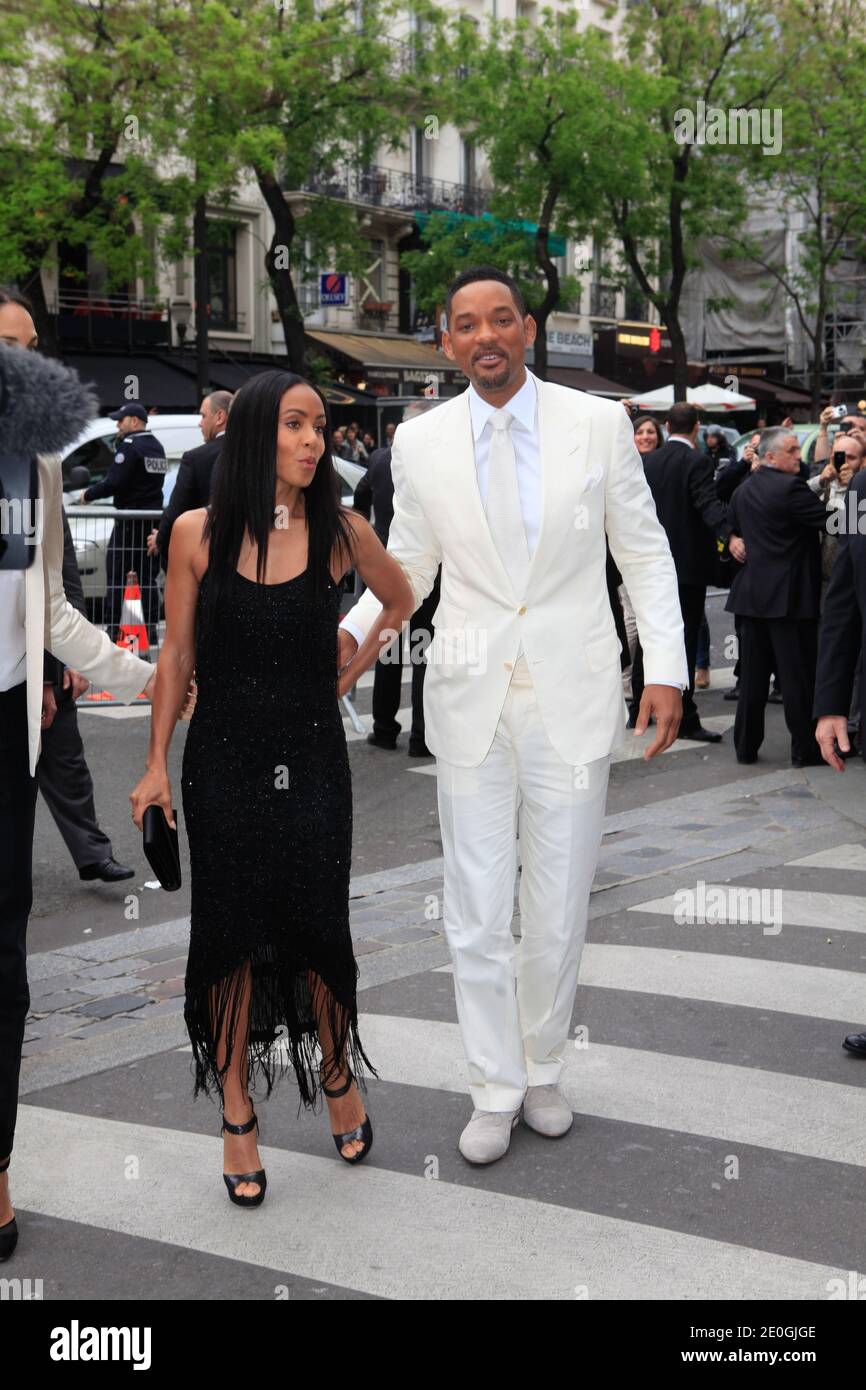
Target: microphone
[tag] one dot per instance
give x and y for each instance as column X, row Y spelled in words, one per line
column 43, row 407
column 43, row 404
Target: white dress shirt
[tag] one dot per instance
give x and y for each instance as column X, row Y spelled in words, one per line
column 12, row 639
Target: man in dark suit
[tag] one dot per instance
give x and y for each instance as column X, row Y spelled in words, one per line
column 843, row 638
column 681, row 482
column 376, row 490
column 776, row 595
column 62, row 772
column 197, row 472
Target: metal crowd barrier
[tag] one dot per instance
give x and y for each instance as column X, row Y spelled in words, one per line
column 123, row 586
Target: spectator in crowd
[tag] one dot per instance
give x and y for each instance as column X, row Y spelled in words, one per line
column 776, row 594
column 369, row 441
column 853, row 423
column 840, row 651
column 340, row 448
column 355, row 444
column 681, row 481
column 197, row 473
column 390, row 431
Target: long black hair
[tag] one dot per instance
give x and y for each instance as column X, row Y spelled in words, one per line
column 246, row 480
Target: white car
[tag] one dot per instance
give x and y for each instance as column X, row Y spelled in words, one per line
column 91, row 525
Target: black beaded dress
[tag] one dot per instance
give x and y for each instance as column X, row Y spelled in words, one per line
column 267, row 801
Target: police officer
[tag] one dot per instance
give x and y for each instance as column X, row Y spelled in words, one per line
column 134, row 482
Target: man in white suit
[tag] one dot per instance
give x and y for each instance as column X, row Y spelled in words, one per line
column 34, row 616
column 513, row 487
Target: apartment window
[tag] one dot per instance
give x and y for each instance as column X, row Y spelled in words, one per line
column 372, row 279
column 222, row 274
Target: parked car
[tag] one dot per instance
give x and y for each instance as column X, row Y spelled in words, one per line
column 91, row 527
column 807, row 435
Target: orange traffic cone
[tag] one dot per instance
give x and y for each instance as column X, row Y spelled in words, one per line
column 133, row 630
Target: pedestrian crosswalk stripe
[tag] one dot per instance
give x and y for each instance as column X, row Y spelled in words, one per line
column 760, row 908
column 806, row 990
column 378, row 1231
column 836, row 857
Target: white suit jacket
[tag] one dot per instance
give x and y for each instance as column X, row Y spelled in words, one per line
column 51, row 622
column 593, row 485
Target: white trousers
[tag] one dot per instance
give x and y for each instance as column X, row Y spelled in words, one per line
column 514, row 1000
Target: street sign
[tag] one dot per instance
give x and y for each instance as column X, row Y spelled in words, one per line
column 332, row 288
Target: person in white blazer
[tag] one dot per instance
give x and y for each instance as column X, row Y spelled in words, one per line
column 34, row 616
column 523, row 700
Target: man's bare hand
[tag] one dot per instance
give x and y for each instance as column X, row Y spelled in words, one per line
column 833, row 729
column 666, row 705
column 49, row 707
column 74, row 681
column 189, row 699
column 737, row 547
column 151, row 542
column 346, row 648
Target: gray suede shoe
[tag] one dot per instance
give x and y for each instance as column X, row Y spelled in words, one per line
column 487, row 1135
column 546, row 1111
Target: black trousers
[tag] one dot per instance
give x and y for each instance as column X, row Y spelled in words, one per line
column 17, row 813
column 692, row 600
column 788, row 646
column 388, row 676
column 65, row 782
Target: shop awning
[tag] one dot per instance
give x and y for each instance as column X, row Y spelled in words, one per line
column 581, row 379
column 371, row 351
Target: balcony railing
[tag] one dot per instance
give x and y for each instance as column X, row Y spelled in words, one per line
column 111, row 320
column 395, row 188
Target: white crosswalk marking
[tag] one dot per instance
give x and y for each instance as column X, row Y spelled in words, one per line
column 737, row 903
column 808, row 990
column 386, row 1233
column 837, row 857
column 389, row 1230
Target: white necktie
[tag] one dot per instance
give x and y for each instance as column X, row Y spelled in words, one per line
column 504, row 515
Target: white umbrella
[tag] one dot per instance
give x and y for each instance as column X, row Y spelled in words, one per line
column 704, row 397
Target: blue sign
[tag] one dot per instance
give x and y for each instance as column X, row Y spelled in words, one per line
column 332, row 288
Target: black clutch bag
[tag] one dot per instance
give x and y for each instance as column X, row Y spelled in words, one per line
column 161, row 847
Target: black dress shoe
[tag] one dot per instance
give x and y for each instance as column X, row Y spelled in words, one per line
column 379, row 742
column 419, row 750
column 700, row 735
column 856, row 1043
column 109, row 871
column 808, row 762
column 747, row 760
column 733, row 694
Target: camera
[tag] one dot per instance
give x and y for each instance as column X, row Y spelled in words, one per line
column 839, row 412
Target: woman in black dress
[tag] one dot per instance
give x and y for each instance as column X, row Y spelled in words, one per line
column 252, row 605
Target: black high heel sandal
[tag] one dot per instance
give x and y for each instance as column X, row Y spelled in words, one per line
column 362, row 1132
column 9, row 1232
column 233, row 1180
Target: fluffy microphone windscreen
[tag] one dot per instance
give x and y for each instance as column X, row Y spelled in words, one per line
column 43, row 405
